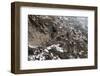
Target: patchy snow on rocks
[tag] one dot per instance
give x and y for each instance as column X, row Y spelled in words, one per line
column 57, row 37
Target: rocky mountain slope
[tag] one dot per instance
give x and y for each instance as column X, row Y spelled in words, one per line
column 57, row 37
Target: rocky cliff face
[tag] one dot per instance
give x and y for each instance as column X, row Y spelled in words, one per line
column 65, row 36
column 36, row 32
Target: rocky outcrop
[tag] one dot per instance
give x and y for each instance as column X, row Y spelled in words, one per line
column 69, row 32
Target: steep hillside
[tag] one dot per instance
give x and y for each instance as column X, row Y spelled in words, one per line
column 57, row 37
